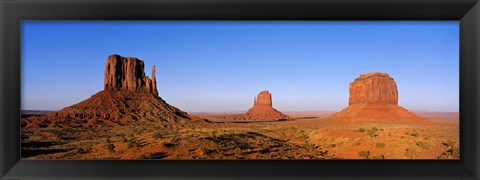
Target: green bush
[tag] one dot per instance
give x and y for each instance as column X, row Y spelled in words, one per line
column 380, row 145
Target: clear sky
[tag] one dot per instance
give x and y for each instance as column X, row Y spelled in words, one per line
column 217, row 66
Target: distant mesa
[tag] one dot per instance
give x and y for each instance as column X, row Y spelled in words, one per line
column 129, row 97
column 374, row 97
column 262, row 110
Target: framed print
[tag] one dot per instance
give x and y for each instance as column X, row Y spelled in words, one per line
column 251, row 89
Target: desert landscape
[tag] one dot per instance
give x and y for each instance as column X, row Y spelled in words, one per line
column 129, row 120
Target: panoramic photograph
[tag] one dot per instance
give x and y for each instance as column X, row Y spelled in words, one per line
column 206, row 90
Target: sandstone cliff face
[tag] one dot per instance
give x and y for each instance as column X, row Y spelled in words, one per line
column 264, row 98
column 374, row 97
column 127, row 74
column 129, row 98
column 262, row 110
column 373, row 88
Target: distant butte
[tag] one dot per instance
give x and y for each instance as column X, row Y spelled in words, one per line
column 262, row 110
column 129, row 97
column 374, row 97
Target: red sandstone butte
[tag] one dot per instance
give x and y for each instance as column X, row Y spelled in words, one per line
column 127, row 73
column 262, row 110
column 130, row 97
column 374, row 97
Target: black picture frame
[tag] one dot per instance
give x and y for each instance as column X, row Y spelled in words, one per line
column 12, row 12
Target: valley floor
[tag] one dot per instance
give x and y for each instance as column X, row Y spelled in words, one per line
column 303, row 138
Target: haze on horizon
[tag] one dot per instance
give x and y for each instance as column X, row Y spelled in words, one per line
column 220, row 66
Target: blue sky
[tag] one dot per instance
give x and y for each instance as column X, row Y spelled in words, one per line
column 215, row 66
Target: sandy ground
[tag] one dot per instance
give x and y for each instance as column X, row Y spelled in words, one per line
column 309, row 136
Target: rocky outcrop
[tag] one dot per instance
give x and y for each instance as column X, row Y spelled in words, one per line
column 127, row 74
column 264, row 98
column 373, row 88
column 129, row 98
column 262, row 110
column 374, row 97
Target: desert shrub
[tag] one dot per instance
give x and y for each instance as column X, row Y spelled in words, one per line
column 379, row 157
column 146, row 155
column 213, row 133
column 359, row 130
column 382, row 129
column 449, row 143
column 455, row 152
column 123, row 139
column 364, row 154
column 78, row 151
column 156, row 135
column 266, row 146
column 411, row 153
column 303, row 136
column 402, row 137
column 309, row 146
column 221, row 152
column 380, row 145
column 415, row 134
column 357, row 144
column 238, row 150
column 372, row 132
column 108, row 140
column 111, row 147
column 132, row 144
column 422, row 144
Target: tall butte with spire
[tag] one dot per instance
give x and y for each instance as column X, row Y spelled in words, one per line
column 262, row 110
column 129, row 97
column 374, row 97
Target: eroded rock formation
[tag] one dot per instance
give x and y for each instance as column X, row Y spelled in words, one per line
column 262, row 110
column 374, row 97
column 127, row 73
column 264, row 98
column 129, row 97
